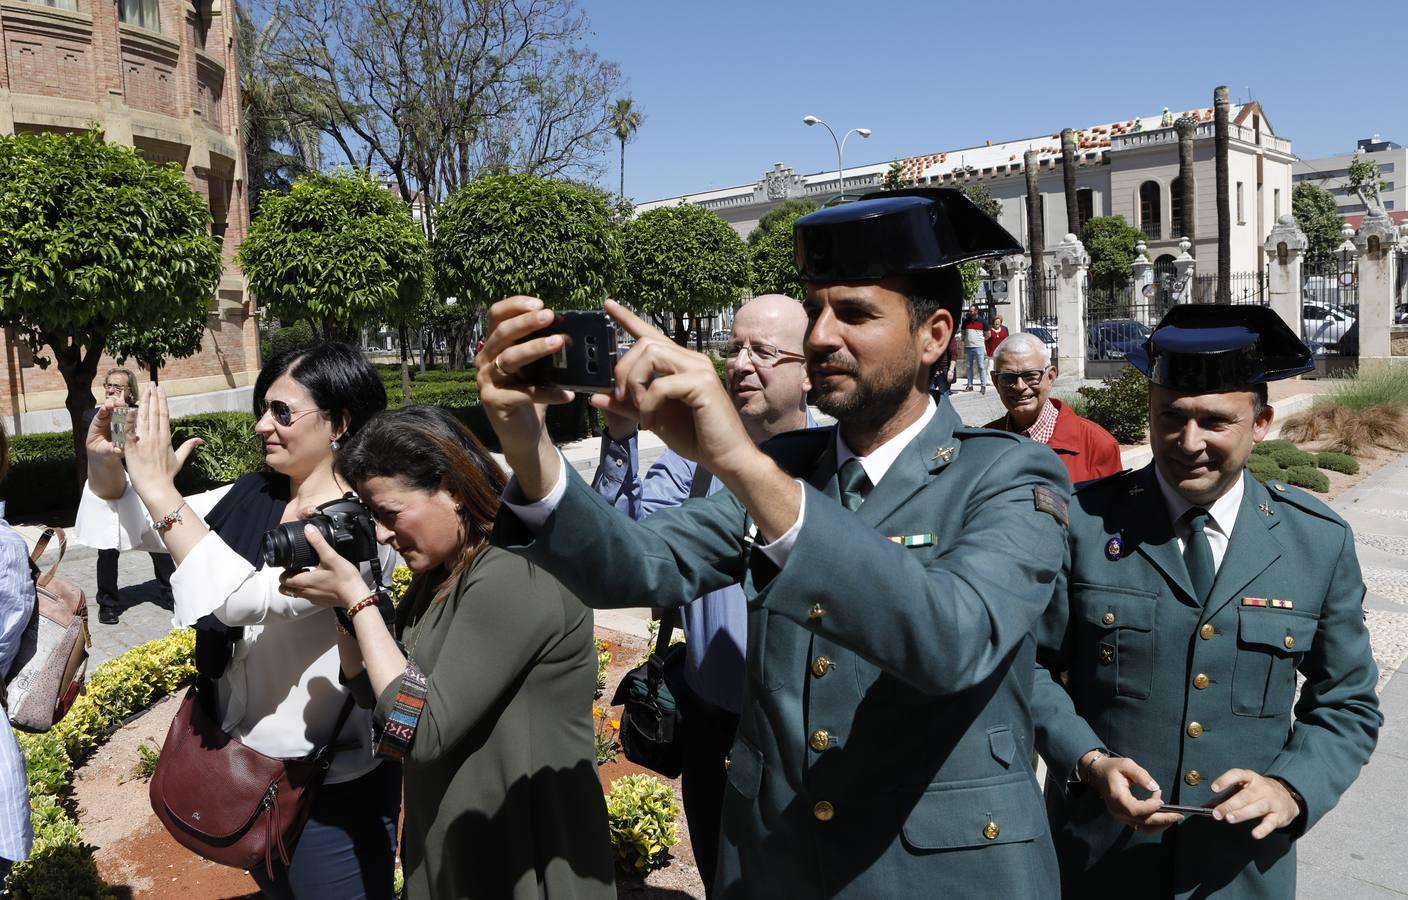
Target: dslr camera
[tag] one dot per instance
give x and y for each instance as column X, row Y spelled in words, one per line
column 346, row 524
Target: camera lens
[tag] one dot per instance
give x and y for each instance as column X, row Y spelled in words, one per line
column 285, row 547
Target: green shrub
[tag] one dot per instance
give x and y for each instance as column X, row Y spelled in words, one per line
column 148, row 755
column 1308, row 477
column 1286, row 457
column 61, row 866
column 46, row 762
column 438, row 376
column 42, row 474
column 231, row 449
column 1386, row 386
column 1077, row 404
column 1337, row 462
column 1266, row 448
column 1264, row 468
column 1120, row 406
column 641, row 813
column 286, row 337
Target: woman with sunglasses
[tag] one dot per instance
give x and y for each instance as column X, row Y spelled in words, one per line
column 484, row 684
column 269, row 661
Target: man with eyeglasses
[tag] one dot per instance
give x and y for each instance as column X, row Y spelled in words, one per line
column 884, row 746
column 1024, row 376
column 765, row 373
column 119, row 384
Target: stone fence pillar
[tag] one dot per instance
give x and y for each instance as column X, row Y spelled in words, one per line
column 1017, row 285
column 1375, row 243
column 1185, row 269
column 1071, row 264
column 1142, row 270
column 1285, row 249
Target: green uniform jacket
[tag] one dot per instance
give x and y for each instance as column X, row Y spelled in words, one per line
column 1189, row 692
column 885, row 743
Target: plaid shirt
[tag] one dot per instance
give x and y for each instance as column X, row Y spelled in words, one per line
column 1045, row 425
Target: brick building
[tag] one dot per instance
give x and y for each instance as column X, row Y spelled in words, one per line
column 161, row 76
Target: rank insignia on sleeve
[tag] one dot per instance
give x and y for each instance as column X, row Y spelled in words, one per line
column 1282, row 604
column 914, row 540
column 1049, row 502
column 1255, row 601
column 1114, row 548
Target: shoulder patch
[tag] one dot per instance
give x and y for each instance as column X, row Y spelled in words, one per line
column 1051, row 503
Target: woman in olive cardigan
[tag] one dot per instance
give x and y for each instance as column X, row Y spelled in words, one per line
column 484, row 690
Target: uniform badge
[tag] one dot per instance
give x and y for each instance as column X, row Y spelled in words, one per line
column 1253, row 601
column 1266, row 509
column 914, row 540
column 1114, row 548
column 1282, row 604
column 1049, row 502
column 1107, row 653
column 943, row 454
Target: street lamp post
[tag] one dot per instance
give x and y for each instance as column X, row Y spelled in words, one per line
column 840, row 147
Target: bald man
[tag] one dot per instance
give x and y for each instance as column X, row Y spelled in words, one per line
column 767, row 381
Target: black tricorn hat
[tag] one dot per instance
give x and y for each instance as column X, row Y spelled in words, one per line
column 1206, row 348
column 892, row 233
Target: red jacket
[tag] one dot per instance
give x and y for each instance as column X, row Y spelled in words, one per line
column 1087, row 450
column 995, row 337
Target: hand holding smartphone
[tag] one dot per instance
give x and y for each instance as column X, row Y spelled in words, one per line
column 586, row 361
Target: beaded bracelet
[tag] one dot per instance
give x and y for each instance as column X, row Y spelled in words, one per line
column 344, row 616
column 165, row 523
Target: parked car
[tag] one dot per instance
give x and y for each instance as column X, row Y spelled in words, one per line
column 1325, row 326
column 1114, row 338
column 1045, row 334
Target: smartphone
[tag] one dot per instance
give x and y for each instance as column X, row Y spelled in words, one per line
column 586, row 361
column 117, row 426
column 1204, row 810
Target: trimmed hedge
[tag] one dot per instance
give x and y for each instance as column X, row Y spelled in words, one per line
column 1287, row 457
column 1309, row 478
column 1337, row 462
column 41, row 474
column 1264, row 468
column 1266, row 448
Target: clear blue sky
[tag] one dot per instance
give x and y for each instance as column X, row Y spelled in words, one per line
column 724, row 83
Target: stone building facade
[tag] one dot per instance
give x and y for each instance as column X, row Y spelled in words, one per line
column 161, row 76
column 1127, row 168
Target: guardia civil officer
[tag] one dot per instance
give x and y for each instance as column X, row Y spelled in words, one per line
column 1192, row 597
column 884, row 742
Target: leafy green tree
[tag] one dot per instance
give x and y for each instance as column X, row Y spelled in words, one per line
column 176, row 338
column 338, row 251
column 980, row 195
column 1110, row 242
column 683, row 260
column 1364, row 176
column 894, row 178
column 791, row 210
column 1318, row 216
column 92, row 237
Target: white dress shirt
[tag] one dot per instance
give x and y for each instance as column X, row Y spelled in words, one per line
column 1222, row 516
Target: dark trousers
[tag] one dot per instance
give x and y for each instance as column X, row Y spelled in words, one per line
column 708, row 738
column 162, row 567
column 348, row 848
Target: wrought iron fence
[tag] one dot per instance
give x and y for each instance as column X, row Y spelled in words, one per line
column 1330, row 311
column 1120, row 318
column 1243, row 287
column 1039, row 300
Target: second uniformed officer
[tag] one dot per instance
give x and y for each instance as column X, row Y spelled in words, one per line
column 1192, row 598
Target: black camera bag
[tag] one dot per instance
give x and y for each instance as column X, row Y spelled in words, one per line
column 651, row 721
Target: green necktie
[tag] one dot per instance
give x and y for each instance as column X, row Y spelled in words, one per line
column 1197, row 554
column 852, row 480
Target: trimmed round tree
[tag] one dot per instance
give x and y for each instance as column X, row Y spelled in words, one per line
column 683, row 260
column 338, row 251
column 93, row 237
column 502, row 235
column 772, row 255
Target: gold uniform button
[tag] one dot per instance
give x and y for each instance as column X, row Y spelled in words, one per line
column 1108, row 618
column 816, row 611
column 1194, row 777
column 1280, row 487
column 820, row 739
column 728, row 762
column 1207, row 631
column 1201, row 681
column 821, row 665
column 1290, row 642
column 823, row 811
column 991, row 830
column 1195, row 729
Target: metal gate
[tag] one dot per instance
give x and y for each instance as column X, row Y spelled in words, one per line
column 1330, row 315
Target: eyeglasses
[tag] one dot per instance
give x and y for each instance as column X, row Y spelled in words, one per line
column 764, row 356
column 1009, row 379
column 114, row 388
column 283, row 415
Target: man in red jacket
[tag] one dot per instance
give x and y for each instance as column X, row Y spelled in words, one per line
column 1024, row 375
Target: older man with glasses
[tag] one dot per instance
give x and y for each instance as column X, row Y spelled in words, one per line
column 1024, row 375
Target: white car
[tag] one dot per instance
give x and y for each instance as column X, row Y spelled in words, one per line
column 1325, row 325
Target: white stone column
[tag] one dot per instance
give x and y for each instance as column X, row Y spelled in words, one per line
column 1017, row 289
column 1142, row 269
column 1070, row 269
column 1185, row 269
column 1375, row 243
column 1285, row 250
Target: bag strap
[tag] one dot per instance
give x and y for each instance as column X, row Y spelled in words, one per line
column 43, row 544
column 331, row 747
column 699, row 486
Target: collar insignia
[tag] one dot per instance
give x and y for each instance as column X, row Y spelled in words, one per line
column 943, row 454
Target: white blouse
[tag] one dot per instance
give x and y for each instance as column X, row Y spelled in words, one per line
column 281, row 692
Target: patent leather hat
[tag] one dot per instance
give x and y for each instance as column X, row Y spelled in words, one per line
column 906, row 232
column 1207, row 348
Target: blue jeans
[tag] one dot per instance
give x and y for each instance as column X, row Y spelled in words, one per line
column 975, row 358
column 348, row 848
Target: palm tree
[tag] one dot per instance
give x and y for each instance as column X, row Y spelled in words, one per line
column 625, row 121
column 1221, row 105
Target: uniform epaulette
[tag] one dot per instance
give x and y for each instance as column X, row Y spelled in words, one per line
column 1302, row 500
column 1108, row 481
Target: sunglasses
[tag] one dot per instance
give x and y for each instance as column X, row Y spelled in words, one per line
column 1009, row 379
column 282, row 413
column 110, row 388
column 764, row 356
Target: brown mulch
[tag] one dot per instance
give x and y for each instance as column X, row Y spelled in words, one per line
column 139, row 859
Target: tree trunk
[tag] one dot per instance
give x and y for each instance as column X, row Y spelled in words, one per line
column 1220, row 108
column 79, row 370
column 623, row 168
column 155, row 373
column 1036, row 229
column 1068, row 177
column 405, row 336
column 1186, row 127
